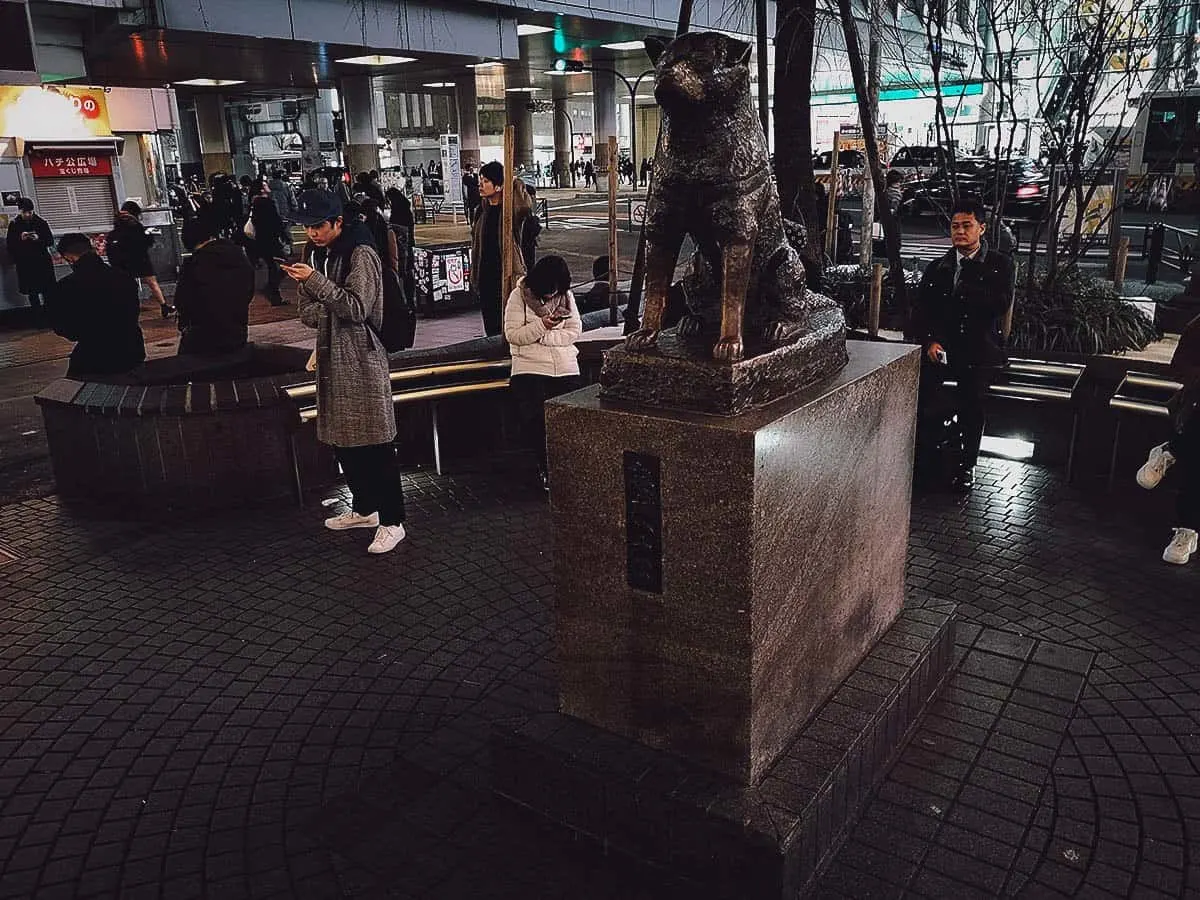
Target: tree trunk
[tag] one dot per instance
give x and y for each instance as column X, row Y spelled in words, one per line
column 794, row 39
column 891, row 232
column 866, row 241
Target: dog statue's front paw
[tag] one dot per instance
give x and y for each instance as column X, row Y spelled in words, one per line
column 641, row 340
column 690, row 326
column 728, row 350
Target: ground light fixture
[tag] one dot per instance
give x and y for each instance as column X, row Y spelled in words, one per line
column 376, row 59
column 625, row 45
column 1008, row 447
column 210, row 82
column 527, row 30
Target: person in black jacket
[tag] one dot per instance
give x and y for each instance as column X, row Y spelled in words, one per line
column 213, row 294
column 960, row 303
column 128, row 248
column 29, row 243
column 270, row 237
column 96, row 306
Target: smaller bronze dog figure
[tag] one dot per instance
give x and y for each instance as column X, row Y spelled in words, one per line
column 712, row 180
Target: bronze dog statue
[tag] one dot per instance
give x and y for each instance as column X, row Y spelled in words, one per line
column 712, row 180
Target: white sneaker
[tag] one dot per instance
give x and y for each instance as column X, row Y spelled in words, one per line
column 1181, row 548
column 352, row 520
column 1155, row 467
column 386, row 538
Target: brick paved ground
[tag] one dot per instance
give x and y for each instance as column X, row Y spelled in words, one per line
column 250, row 706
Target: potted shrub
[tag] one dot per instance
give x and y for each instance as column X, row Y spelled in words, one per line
column 1074, row 312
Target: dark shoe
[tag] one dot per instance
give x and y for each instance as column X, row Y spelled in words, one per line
column 167, row 310
column 963, row 481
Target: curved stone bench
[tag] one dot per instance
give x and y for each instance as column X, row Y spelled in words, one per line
column 209, row 433
column 219, row 436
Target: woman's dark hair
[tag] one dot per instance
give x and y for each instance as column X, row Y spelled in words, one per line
column 132, row 208
column 894, row 177
column 549, row 276
column 400, row 211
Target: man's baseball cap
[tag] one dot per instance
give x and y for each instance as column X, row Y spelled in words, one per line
column 316, row 206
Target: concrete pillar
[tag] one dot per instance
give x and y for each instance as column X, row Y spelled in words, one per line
column 214, row 138
column 517, row 112
column 362, row 134
column 604, row 113
column 562, row 139
column 468, row 120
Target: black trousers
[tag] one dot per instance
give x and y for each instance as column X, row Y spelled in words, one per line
column 374, row 481
column 35, row 300
column 531, row 393
column 1185, row 447
column 491, row 305
column 965, row 402
column 274, row 279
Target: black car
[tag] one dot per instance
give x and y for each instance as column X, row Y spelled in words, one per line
column 1025, row 186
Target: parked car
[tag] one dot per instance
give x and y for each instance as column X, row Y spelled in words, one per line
column 851, row 166
column 917, row 162
column 1025, row 186
column 847, row 159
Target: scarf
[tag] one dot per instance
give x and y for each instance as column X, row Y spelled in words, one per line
column 554, row 306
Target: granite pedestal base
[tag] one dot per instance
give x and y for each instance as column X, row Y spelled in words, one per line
column 717, row 578
column 730, row 840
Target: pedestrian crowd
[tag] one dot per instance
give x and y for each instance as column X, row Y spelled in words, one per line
column 355, row 278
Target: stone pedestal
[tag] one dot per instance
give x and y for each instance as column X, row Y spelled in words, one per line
column 719, row 577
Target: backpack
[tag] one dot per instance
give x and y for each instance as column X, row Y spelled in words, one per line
column 399, row 329
column 399, row 315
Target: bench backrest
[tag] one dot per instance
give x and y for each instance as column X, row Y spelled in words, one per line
column 421, row 383
column 1141, row 392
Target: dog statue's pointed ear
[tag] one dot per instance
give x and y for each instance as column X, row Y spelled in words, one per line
column 654, row 48
column 736, row 52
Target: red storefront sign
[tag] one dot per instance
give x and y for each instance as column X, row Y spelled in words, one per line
column 69, row 165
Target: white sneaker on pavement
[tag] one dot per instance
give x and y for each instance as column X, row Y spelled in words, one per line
column 1182, row 546
column 352, row 520
column 386, row 538
column 1155, row 467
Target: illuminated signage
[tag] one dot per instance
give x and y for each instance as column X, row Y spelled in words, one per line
column 53, row 112
column 69, row 165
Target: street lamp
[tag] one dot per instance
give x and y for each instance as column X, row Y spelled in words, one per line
column 576, row 65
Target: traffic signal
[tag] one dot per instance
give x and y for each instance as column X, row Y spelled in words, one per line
column 568, row 65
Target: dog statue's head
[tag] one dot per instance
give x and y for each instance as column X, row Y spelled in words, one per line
column 700, row 68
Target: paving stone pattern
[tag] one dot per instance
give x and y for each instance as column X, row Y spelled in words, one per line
column 250, row 706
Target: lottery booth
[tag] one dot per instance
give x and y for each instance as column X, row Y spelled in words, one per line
column 78, row 153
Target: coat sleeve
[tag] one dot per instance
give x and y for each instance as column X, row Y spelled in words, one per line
column 393, row 250
column 46, row 235
column 520, row 329
column 361, row 292
column 921, row 319
column 569, row 331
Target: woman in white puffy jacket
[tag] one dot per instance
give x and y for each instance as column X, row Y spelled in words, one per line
column 541, row 325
